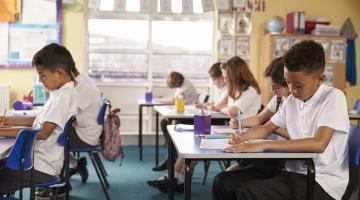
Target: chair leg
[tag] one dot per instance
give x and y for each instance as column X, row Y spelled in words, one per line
column 101, row 169
column 97, row 170
column 206, row 170
column 101, row 165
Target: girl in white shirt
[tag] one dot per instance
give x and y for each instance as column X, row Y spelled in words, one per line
column 243, row 90
column 53, row 63
column 274, row 75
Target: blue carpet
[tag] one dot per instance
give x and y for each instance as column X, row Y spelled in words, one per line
column 128, row 181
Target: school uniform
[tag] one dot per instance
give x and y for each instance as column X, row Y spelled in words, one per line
column 86, row 130
column 220, row 95
column 248, row 103
column 327, row 107
column 48, row 154
column 188, row 90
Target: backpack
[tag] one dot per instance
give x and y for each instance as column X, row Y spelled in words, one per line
column 111, row 141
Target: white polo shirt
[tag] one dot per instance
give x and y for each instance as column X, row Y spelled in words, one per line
column 89, row 103
column 327, row 107
column 220, row 95
column 248, row 103
column 188, row 90
column 48, row 154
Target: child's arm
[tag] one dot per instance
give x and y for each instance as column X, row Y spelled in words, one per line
column 9, row 132
column 316, row 144
column 254, row 133
column 257, row 120
column 46, row 131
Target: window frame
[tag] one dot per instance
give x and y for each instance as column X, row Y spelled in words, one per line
column 151, row 16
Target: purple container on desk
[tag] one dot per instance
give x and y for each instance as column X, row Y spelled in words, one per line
column 23, row 105
column 202, row 124
column 148, row 96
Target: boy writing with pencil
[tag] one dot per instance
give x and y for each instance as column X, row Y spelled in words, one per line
column 316, row 118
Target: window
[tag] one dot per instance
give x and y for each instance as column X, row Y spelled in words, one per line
column 131, row 46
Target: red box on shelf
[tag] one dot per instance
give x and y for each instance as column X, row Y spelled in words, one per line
column 310, row 25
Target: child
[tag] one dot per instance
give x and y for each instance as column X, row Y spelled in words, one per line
column 53, row 63
column 243, row 90
column 220, row 94
column 316, row 118
column 85, row 131
column 220, row 97
column 274, row 75
column 185, row 89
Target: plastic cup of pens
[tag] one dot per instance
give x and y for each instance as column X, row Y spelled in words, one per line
column 148, row 96
column 202, row 124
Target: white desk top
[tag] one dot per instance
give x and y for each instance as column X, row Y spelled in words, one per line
column 190, row 111
column 5, row 145
column 188, row 146
column 153, row 103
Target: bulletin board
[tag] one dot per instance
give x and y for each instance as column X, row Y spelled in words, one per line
column 39, row 24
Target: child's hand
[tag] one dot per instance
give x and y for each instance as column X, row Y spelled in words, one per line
column 199, row 105
column 234, row 123
column 236, row 138
column 4, row 123
column 246, row 147
column 233, row 111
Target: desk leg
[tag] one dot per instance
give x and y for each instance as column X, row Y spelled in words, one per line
column 310, row 180
column 187, row 179
column 171, row 153
column 140, row 132
column 157, row 140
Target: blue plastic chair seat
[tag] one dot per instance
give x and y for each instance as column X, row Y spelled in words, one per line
column 55, row 180
column 85, row 149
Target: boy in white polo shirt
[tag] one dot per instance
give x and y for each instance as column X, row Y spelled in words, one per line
column 316, row 118
column 53, row 64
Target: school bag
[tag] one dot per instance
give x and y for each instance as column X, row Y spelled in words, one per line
column 111, row 141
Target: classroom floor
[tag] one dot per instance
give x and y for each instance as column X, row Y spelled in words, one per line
column 128, row 181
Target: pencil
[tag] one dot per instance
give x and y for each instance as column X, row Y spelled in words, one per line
column 3, row 119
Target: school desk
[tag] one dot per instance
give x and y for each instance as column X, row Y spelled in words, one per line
column 188, row 147
column 142, row 103
column 5, row 146
column 170, row 113
column 355, row 117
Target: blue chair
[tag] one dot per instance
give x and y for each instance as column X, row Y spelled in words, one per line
column 357, row 106
column 354, row 162
column 21, row 155
column 57, row 182
column 93, row 152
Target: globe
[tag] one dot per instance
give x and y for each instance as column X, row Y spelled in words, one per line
column 276, row 25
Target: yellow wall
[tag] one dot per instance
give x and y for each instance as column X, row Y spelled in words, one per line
column 335, row 10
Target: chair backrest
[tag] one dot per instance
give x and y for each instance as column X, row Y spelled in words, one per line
column 102, row 112
column 354, row 160
column 357, row 106
column 22, row 150
column 64, row 135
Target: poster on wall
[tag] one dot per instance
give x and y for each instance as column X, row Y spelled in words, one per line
column 243, row 23
column 187, row 6
column 242, row 47
column 225, row 47
column 329, row 73
column 165, row 6
column 282, row 45
column 225, row 23
column 224, row 5
column 337, row 50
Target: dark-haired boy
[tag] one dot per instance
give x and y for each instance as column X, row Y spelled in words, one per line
column 315, row 116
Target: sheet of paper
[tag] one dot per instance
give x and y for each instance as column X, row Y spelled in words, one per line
column 39, row 12
column 4, row 44
column 214, row 143
column 184, row 127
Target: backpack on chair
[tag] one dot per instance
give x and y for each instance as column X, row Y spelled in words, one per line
column 111, row 141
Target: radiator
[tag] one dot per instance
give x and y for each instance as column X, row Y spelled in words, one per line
column 4, row 98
